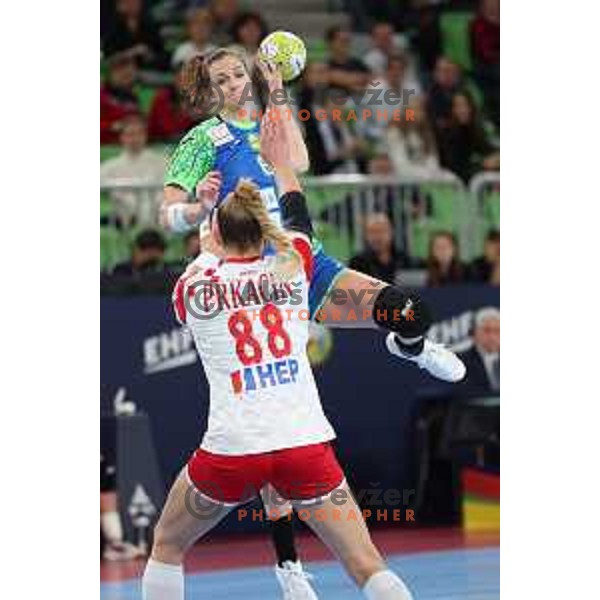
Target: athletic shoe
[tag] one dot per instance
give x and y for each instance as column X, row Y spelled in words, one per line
column 294, row 582
column 121, row 551
column 435, row 359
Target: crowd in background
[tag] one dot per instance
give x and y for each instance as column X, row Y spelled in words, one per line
column 453, row 134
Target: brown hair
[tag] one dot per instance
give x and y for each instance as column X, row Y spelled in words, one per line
column 244, row 223
column 196, row 84
column 423, row 129
column 455, row 272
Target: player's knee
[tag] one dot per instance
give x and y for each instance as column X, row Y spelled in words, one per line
column 165, row 547
column 364, row 563
column 403, row 312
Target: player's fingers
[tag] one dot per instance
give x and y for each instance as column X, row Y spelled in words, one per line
column 212, row 183
column 214, row 175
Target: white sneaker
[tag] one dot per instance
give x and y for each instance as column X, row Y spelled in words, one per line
column 294, row 582
column 435, row 359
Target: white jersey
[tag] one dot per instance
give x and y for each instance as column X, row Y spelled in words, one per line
column 251, row 331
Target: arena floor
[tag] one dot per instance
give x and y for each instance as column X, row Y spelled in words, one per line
column 438, row 564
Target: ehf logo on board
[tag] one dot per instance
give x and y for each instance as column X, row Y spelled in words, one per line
column 168, row 350
column 455, row 332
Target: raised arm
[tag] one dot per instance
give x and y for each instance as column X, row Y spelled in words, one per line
column 277, row 148
column 298, row 154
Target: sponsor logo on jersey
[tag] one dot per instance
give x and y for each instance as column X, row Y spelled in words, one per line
column 250, row 379
column 254, row 141
column 168, row 350
column 220, row 135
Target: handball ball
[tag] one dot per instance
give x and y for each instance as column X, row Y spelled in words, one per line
column 285, row 50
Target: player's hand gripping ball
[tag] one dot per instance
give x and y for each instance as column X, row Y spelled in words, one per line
column 285, row 50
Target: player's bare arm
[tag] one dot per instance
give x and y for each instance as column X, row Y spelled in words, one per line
column 299, row 160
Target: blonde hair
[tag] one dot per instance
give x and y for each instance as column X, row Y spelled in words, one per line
column 245, row 223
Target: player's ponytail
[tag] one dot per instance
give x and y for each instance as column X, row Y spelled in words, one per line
column 245, row 223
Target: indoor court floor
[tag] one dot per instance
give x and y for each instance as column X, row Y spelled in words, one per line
column 436, row 564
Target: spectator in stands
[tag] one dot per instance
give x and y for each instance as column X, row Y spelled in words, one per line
column 485, row 51
column 380, row 198
column 139, row 165
column 117, row 96
column 169, row 115
column 483, row 359
column 313, row 86
column 397, row 80
column 380, row 258
column 412, row 145
column 443, row 263
column 332, row 145
column 345, row 71
column 486, row 268
column 147, row 256
column 247, row 31
column 199, row 27
column 224, row 13
column 191, row 243
column 446, row 84
column 428, row 41
column 464, row 145
column 383, row 46
column 397, row 77
column 111, row 528
column 381, row 164
column 132, row 28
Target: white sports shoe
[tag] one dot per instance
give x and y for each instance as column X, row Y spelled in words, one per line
column 435, row 359
column 294, row 582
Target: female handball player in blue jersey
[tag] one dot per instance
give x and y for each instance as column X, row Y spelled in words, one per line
column 274, row 433
column 211, row 158
column 223, row 149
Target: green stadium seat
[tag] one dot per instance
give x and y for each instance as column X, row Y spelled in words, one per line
column 456, row 39
column 419, row 232
column 175, row 248
column 109, row 151
column 491, row 210
column 145, row 95
column 334, row 242
column 106, row 207
column 316, row 50
column 114, row 247
column 475, row 93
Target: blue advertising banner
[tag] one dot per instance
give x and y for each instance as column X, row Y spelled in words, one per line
column 370, row 396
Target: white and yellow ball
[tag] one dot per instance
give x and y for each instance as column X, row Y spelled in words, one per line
column 286, row 50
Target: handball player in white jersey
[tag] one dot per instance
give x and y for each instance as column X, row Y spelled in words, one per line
column 248, row 314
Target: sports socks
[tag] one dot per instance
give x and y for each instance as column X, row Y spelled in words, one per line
column 386, row 585
column 162, row 581
column 282, row 532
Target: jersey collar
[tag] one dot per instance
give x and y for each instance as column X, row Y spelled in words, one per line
column 241, row 259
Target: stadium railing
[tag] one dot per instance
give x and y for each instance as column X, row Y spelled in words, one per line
column 484, row 189
column 339, row 205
